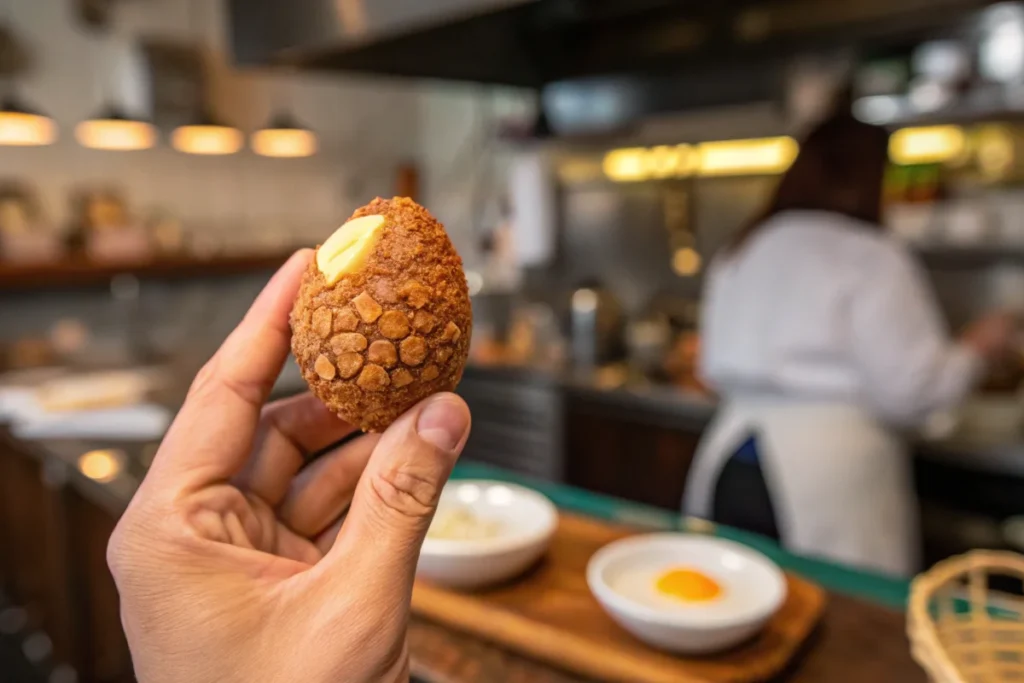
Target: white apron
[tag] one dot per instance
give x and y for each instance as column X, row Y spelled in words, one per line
column 840, row 482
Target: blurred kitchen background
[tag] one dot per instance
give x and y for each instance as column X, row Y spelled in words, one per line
column 159, row 158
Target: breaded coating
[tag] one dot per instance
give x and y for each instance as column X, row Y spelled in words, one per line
column 394, row 331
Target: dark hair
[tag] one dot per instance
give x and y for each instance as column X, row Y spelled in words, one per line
column 839, row 168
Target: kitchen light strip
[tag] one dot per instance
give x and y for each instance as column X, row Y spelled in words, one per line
column 769, row 156
column 758, row 156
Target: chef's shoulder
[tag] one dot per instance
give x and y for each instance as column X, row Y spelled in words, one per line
column 866, row 251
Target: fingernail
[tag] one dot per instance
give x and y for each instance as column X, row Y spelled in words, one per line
column 443, row 422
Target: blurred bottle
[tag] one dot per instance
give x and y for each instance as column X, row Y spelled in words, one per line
column 596, row 327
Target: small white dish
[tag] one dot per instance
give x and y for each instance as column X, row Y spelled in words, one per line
column 623, row 576
column 513, row 526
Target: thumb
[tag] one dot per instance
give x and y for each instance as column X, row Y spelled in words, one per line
column 397, row 494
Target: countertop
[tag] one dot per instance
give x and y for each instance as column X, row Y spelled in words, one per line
column 60, row 459
column 672, row 407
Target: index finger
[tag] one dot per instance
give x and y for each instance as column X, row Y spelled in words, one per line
column 212, row 435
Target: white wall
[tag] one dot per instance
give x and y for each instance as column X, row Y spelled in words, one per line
column 464, row 164
column 366, row 127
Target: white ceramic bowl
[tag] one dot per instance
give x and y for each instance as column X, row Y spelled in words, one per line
column 525, row 522
column 622, row 577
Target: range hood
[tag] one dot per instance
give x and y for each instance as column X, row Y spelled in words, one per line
column 536, row 42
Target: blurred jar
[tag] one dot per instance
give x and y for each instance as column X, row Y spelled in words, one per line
column 682, row 363
column 647, row 342
column 534, row 338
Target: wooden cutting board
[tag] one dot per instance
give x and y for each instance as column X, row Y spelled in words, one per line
column 550, row 615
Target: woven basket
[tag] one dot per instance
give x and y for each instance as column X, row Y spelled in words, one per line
column 960, row 630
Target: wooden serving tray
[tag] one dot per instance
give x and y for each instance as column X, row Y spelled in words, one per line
column 550, row 615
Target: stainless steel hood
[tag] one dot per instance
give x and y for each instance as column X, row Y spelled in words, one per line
column 402, row 37
column 536, row 42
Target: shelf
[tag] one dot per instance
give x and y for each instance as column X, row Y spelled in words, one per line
column 970, row 256
column 83, row 273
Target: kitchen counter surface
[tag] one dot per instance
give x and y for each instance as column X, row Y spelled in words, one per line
column 668, row 406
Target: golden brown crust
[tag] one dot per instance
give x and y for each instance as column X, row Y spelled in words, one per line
column 407, row 308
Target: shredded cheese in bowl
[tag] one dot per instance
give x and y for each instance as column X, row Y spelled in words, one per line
column 460, row 524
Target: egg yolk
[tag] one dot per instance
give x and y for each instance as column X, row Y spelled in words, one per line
column 688, row 585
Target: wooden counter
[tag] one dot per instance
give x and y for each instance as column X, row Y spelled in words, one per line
column 856, row 642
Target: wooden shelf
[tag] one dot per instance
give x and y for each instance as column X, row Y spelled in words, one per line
column 83, row 273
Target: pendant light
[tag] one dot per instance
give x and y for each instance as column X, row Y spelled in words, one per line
column 21, row 126
column 284, row 137
column 115, row 131
column 120, row 81
column 206, row 134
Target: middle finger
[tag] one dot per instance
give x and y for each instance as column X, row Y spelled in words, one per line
column 289, row 431
column 323, row 491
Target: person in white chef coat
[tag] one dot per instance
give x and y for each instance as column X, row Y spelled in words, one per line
column 823, row 340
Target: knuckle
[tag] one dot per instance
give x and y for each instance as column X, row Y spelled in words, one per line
column 114, row 552
column 404, row 491
column 204, row 378
column 118, row 546
column 221, row 375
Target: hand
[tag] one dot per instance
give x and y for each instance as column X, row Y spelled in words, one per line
column 992, row 335
column 232, row 561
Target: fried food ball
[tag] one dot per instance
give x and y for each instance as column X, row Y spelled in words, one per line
column 382, row 319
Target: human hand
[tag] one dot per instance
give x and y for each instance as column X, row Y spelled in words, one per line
column 991, row 336
column 232, row 562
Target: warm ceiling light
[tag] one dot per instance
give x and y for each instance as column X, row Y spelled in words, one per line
column 22, row 127
column 114, row 131
column 102, row 466
column 207, row 139
column 284, row 138
column 747, row 157
column 625, row 164
column 686, row 262
column 639, row 163
column 669, row 162
column 728, row 157
column 207, row 136
column 928, row 145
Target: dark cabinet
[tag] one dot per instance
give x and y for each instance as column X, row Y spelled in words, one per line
column 624, row 455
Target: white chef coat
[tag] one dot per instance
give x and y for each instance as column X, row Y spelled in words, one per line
column 820, row 333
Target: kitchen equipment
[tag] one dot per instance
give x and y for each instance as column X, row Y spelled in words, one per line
column 982, row 420
column 730, row 590
column 550, row 615
column 596, row 327
column 113, row 389
column 534, row 198
column 485, row 532
column 966, row 223
column 960, row 630
column 534, row 411
column 647, row 341
column 534, row 338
